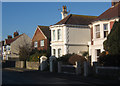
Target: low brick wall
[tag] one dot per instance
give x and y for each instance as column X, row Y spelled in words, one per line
column 19, row 64
column 32, row 65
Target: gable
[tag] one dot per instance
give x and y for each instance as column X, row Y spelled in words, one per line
column 38, row 35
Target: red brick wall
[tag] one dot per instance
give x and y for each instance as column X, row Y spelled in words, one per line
column 37, row 37
column 111, row 24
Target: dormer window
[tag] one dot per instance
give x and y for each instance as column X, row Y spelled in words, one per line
column 97, row 31
column 105, row 30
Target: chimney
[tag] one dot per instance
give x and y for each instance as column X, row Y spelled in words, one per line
column 114, row 2
column 9, row 37
column 64, row 12
column 16, row 34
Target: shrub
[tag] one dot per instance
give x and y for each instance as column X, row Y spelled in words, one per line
column 36, row 54
column 65, row 58
column 109, row 60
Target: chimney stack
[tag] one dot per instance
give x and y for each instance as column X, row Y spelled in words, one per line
column 16, row 34
column 114, row 2
column 64, row 12
column 9, row 37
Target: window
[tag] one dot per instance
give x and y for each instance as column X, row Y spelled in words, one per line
column 35, row 44
column 42, row 43
column 53, row 34
column 59, row 34
column 97, row 32
column 98, row 53
column 54, row 52
column 59, row 52
column 105, row 30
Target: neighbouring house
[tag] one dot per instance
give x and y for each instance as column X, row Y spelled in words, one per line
column 41, row 38
column 12, row 45
column 100, row 28
column 71, row 34
column 1, row 49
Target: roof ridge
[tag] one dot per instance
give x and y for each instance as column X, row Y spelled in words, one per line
column 68, row 18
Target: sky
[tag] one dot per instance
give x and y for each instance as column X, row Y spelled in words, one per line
column 25, row 16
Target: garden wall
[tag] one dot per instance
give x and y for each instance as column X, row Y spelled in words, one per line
column 32, row 65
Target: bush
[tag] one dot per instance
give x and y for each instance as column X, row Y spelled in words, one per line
column 65, row 58
column 36, row 54
column 109, row 60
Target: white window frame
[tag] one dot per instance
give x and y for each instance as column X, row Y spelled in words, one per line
column 53, row 35
column 59, row 52
column 42, row 43
column 97, row 56
column 97, row 32
column 105, row 30
column 35, row 44
column 59, row 34
column 54, row 52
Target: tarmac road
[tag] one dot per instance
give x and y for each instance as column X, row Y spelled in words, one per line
column 10, row 77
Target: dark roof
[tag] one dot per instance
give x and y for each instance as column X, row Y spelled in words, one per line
column 112, row 12
column 9, row 41
column 76, row 19
column 45, row 30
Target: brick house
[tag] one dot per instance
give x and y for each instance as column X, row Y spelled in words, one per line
column 100, row 28
column 41, row 38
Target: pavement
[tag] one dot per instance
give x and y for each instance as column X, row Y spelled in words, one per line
column 18, row 76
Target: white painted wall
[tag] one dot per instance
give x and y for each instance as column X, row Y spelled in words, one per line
column 98, row 42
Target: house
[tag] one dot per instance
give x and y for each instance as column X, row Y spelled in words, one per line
column 41, row 38
column 100, row 28
column 1, row 49
column 71, row 34
column 12, row 45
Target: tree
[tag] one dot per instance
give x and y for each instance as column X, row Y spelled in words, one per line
column 24, row 52
column 112, row 44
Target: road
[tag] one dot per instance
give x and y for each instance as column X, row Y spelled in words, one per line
column 38, row 78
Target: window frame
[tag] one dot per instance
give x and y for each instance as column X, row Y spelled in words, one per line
column 35, row 43
column 59, row 52
column 105, row 30
column 59, row 35
column 53, row 35
column 42, row 41
column 97, row 32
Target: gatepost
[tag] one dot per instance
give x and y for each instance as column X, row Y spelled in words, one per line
column 78, row 68
column 43, row 62
column 52, row 61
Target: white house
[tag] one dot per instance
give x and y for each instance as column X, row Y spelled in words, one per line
column 100, row 28
column 71, row 34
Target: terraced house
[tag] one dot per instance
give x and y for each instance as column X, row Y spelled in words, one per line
column 71, row 34
column 101, row 27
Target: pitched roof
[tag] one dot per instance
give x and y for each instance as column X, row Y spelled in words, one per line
column 76, row 19
column 45, row 30
column 9, row 41
column 112, row 12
